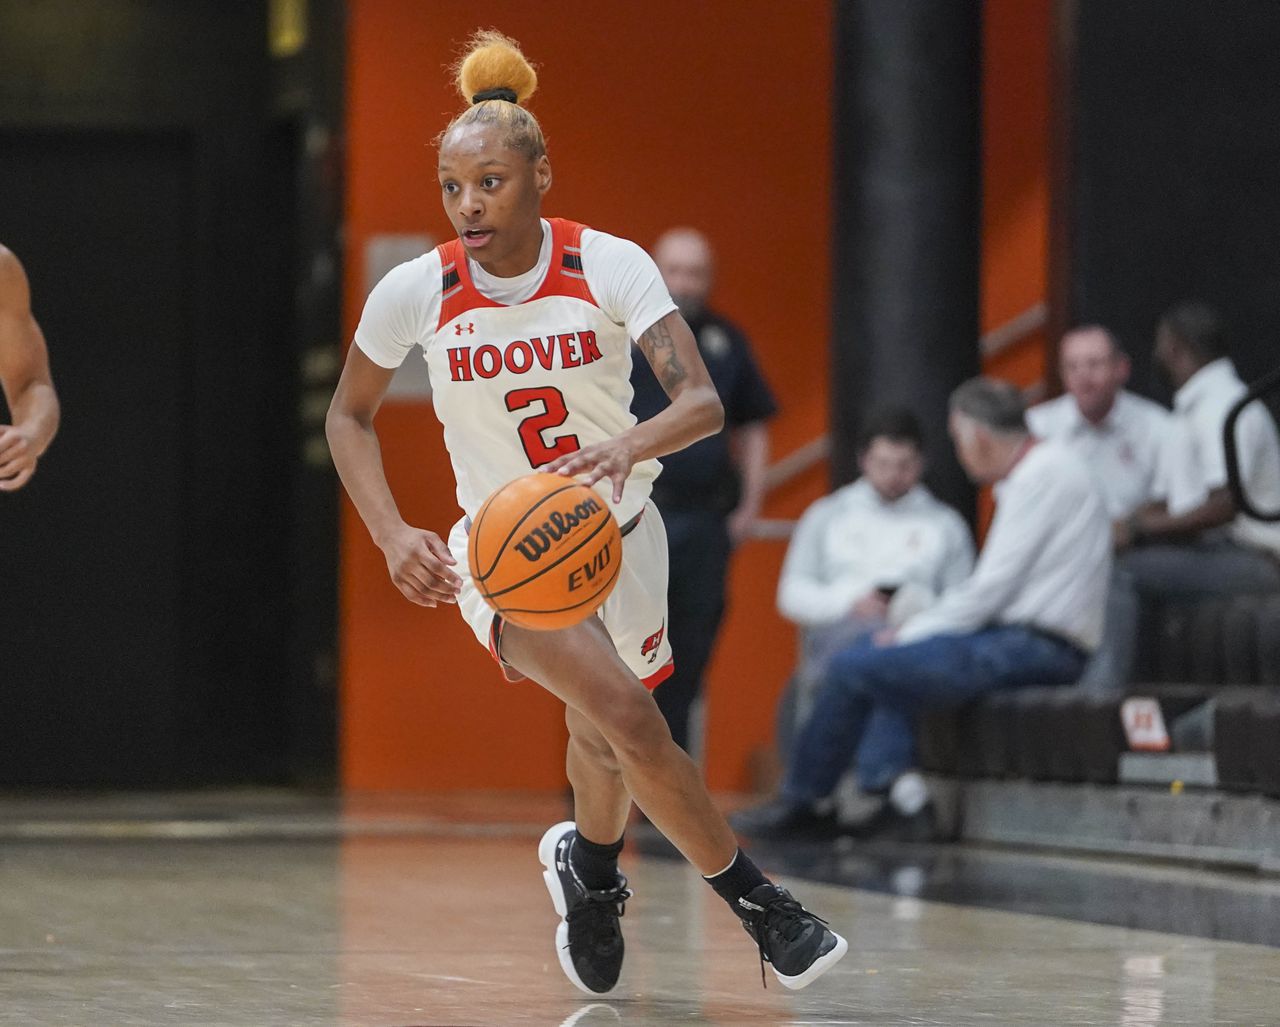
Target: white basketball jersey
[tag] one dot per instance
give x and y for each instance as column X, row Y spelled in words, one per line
column 517, row 386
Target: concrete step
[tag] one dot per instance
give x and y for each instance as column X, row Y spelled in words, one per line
column 1176, row 823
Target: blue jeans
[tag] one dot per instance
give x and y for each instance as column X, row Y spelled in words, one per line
column 889, row 743
column 891, row 686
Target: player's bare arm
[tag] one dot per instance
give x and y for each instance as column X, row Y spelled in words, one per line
column 695, row 411
column 25, row 377
column 419, row 561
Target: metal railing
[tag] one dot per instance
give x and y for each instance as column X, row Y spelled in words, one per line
column 1264, row 387
column 813, row 452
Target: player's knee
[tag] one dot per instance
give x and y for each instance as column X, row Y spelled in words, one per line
column 594, row 748
column 634, row 726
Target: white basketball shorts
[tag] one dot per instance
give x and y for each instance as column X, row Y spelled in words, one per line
column 635, row 614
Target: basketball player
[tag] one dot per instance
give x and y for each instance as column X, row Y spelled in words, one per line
column 24, row 375
column 525, row 324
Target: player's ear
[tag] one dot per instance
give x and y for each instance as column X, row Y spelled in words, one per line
column 542, row 174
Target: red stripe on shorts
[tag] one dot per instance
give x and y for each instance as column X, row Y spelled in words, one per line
column 659, row 676
column 511, row 674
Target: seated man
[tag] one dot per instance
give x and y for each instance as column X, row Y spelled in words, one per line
column 1028, row 615
column 1195, row 543
column 862, row 558
column 1118, row 433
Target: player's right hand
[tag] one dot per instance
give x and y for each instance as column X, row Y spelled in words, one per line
column 420, row 564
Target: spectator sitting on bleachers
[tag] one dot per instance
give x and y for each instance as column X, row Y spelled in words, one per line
column 1195, row 543
column 863, row 558
column 1118, row 433
column 1028, row 615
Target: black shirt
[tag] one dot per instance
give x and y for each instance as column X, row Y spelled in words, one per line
column 703, row 477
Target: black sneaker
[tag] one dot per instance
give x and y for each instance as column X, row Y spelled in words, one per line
column 797, row 944
column 589, row 938
column 783, row 819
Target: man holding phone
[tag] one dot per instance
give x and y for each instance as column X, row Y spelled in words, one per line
column 863, row 559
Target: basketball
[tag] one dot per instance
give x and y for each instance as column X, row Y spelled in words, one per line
column 544, row 551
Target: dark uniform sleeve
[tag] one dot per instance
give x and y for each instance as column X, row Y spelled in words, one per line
column 751, row 398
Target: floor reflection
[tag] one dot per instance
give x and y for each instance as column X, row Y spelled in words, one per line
column 1202, row 903
column 390, row 916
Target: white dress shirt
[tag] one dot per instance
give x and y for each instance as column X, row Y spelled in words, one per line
column 854, row 541
column 1122, row 450
column 1195, row 462
column 1046, row 561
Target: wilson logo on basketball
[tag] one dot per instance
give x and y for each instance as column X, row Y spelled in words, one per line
column 554, row 528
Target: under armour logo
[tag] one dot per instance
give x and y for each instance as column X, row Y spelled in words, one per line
column 469, row 328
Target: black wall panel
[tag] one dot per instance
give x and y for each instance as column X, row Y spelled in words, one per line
column 907, row 195
column 1176, row 129
column 155, row 173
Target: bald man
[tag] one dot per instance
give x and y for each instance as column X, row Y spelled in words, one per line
column 711, row 493
column 25, row 378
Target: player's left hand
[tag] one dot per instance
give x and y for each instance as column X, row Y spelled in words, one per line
column 612, row 459
column 17, row 458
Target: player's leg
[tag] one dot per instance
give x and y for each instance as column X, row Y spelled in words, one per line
column 601, row 802
column 581, row 666
column 581, row 860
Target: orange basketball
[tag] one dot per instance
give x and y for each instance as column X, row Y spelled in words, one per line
column 544, row 551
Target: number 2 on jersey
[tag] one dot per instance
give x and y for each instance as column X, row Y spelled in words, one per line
column 554, row 413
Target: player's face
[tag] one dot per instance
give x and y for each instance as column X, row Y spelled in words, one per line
column 1092, row 372
column 492, row 195
column 892, row 468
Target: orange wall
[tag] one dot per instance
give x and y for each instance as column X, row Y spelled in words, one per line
column 1015, row 174
column 1015, row 184
column 713, row 114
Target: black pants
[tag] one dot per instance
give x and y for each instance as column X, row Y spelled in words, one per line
column 699, row 548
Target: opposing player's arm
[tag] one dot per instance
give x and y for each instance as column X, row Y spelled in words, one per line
column 419, row 561
column 695, row 411
column 25, row 377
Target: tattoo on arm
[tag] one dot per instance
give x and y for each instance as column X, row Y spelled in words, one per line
column 660, row 349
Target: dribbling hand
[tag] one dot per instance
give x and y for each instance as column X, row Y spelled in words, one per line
column 420, row 563
column 612, row 459
column 17, row 458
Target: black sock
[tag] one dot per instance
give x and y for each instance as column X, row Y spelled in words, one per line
column 596, row 864
column 737, row 881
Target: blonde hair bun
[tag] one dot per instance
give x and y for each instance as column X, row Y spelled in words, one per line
column 494, row 61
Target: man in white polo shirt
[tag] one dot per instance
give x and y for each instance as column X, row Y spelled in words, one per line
column 1195, row 542
column 863, row 558
column 1030, row 613
column 1119, row 434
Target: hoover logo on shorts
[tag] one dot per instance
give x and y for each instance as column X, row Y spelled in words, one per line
column 651, row 644
column 554, row 528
